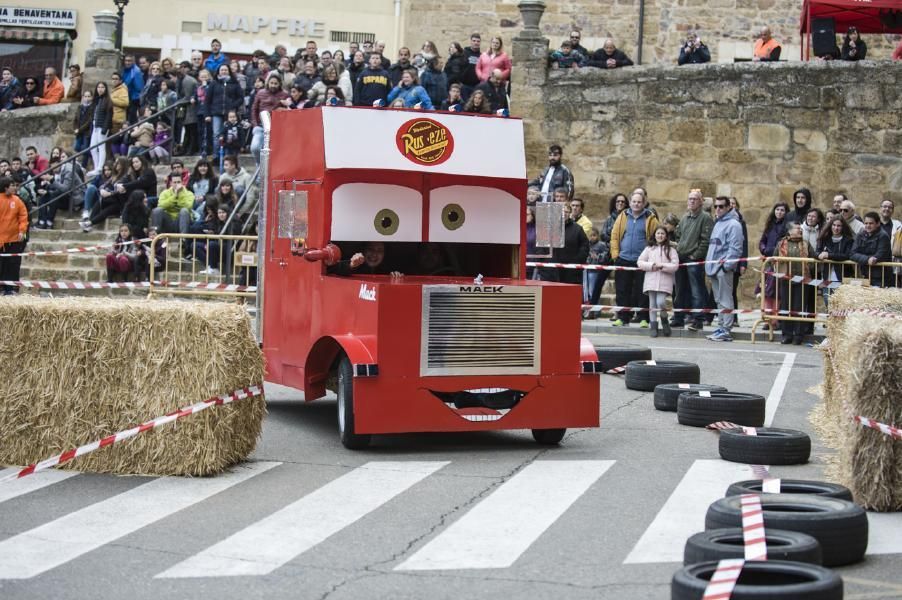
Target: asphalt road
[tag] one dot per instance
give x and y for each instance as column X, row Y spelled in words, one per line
column 603, row 516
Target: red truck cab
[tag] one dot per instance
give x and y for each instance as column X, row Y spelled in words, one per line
column 460, row 340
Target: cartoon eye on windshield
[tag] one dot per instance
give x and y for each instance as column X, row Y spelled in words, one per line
column 453, row 216
column 376, row 212
column 463, row 213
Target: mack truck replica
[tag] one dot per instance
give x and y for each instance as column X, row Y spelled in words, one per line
column 446, row 333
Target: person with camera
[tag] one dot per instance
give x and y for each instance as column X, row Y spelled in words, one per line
column 693, row 51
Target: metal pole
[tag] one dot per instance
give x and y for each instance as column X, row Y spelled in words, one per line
column 121, row 13
column 641, row 31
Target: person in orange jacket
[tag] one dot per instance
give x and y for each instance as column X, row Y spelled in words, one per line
column 53, row 88
column 13, row 227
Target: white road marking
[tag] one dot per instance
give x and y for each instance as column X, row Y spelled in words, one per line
column 271, row 542
column 884, row 533
column 684, row 512
column 494, row 533
column 776, row 390
column 52, row 544
column 18, row 487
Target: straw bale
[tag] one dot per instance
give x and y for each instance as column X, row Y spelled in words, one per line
column 79, row 369
column 863, row 376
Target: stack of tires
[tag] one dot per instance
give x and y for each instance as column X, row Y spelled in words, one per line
column 809, row 527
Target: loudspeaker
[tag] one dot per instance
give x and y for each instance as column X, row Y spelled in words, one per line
column 823, row 36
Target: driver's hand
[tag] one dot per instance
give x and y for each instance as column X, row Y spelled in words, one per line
column 357, row 260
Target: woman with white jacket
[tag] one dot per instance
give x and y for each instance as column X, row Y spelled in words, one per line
column 659, row 260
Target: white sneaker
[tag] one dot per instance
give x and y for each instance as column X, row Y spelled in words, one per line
column 86, row 226
column 85, row 215
column 209, row 271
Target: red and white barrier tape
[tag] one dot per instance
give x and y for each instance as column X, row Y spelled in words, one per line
column 59, row 459
column 616, row 371
column 872, row 312
column 707, row 311
column 73, row 250
column 883, row 428
column 100, row 285
column 583, row 267
column 753, row 527
column 719, row 425
column 722, row 582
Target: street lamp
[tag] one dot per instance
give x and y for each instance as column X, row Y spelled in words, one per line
column 120, row 12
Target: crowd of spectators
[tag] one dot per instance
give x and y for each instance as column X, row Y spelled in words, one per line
column 713, row 234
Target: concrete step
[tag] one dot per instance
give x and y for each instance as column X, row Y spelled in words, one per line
column 72, row 238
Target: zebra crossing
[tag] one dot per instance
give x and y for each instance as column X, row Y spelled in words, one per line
column 499, row 527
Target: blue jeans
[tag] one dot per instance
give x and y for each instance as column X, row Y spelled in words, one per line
column 82, row 142
column 691, row 291
column 257, row 143
column 217, row 127
column 92, row 195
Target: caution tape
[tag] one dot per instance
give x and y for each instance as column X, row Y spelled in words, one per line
column 753, row 536
column 616, row 371
column 872, row 312
column 722, row 582
column 100, row 285
column 73, row 250
column 883, row 428
column 53, row 461
column 707, row 311
column 583, row 267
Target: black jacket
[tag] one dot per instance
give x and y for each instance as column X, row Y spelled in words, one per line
column 372, row 86
column 84, row 119
column 695, row 56
column 223, row 97
column 396, row 70
column 837, row 251
column 861, row 51
column 7, row 93
column 455, row 68
column 146, row 181
column 497, row 97
column 866, row 245
column 600, row 58
column 469, row 76
column 102, row 116
column 562, row 178
column 576, row 250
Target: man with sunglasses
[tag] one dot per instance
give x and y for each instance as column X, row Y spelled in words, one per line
column 575, row 37
column 847, row 210
column 724, row 250
column 53, row 88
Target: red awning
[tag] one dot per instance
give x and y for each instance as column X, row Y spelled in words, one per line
column 869, row 16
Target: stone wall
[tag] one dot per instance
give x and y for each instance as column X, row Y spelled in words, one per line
column 41, row 126
column 726, row 26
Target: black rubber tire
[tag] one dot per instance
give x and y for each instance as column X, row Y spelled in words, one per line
column 644, row 377
column 349, row 439
column 793, row 486
column 840, row 526
column 772, row 579
column 771, row 446
column 612, row 357
column 718, row 544
column 548, row 437
column 666, row 394
column 700, row 411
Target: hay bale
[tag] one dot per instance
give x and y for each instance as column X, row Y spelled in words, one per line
column 863, row 364
column 79, row 369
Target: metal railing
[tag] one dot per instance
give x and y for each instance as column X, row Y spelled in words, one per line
column 798, row 283
column 227, row 264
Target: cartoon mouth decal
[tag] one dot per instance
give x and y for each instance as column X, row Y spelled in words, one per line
column 480, row 404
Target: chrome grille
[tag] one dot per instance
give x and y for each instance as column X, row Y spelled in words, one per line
column 467, row 331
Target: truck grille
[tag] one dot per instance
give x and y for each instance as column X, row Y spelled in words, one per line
column 480, row 330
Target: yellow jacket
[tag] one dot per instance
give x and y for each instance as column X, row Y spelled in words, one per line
column 651, row 223
column 119, row 98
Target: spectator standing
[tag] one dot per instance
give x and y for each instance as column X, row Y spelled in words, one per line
column 724, row 250
column 373, row 84
column 151, row 87
column 102, row 124
column 120, row 102
column 166, row 98
column 495, row 58
column 357, row 65
column 13, row 229
column 204, row 128
column 84, row 119
column 217, row 58
column 495, row 91
column 835, row 244
column 853, row 47
column 397, row 69
column 811, row 228
column 408, row 90
column 766, row 48
column 609, row 57
column 847, row 209
column 802, row 202
column 659, row 260
column 774, row 230
column 28, row 95
column 53, row 89
column 133, row 79
column 224, row 94
column 267, row 100
column 434, row 81
column 632, row 230
column 872, row 246
column 599, row 253
column 693, row 51
column 173, row 213
column 73, row 94
column 566, row 57
column 887, row 223
column 693, row 235
column 186, row 119
column 575, row 38
column 555, row 175
column 307, row 77
column 456, row 65
column 9, row 89
column 286, row 75
column 793, row 295
column 577, row 208
column 575, row 250
column 331, row 77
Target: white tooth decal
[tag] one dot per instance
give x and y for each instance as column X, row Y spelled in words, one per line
column 487, row 390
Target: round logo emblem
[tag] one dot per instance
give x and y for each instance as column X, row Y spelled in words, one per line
column 425, row 142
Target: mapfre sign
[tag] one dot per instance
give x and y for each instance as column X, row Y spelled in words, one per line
column 52, row 18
